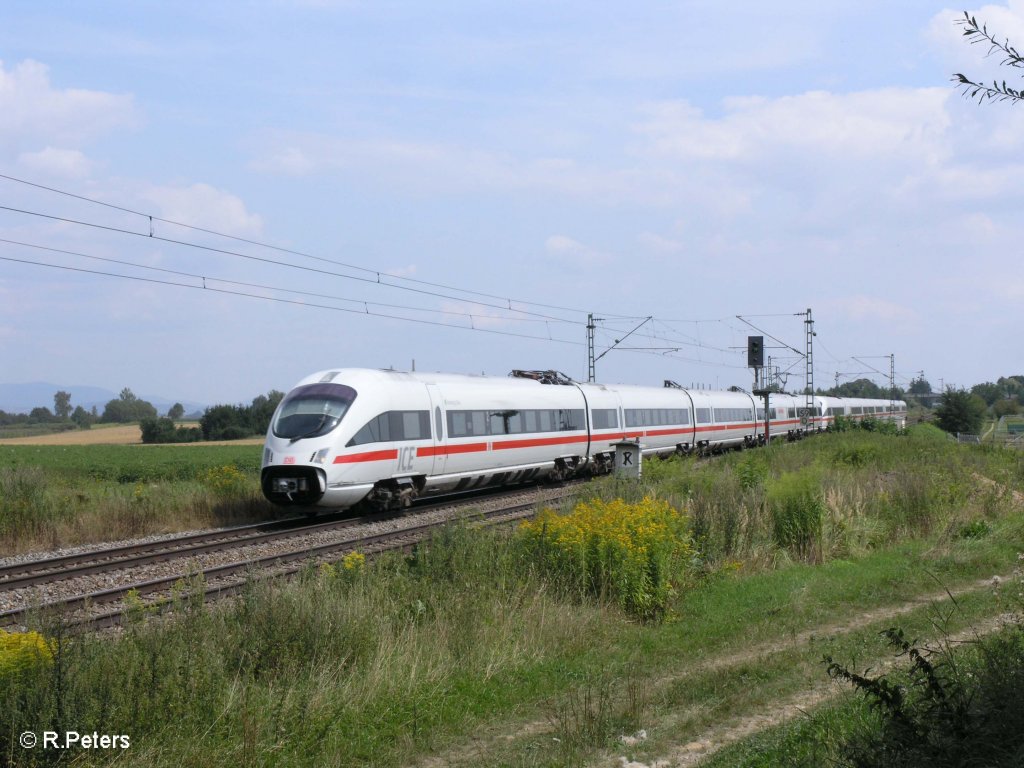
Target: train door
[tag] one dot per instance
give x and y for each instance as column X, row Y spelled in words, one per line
column 439, row 429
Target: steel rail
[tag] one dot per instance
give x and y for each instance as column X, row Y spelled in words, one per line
column 33, row 572
column 369, row 545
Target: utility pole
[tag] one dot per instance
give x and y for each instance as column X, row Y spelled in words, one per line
column 892, row 383
column 809, row 359
column 591, row 363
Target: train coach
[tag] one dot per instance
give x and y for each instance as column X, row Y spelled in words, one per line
column 346, row 436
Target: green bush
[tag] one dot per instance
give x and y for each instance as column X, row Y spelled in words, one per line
column 797, row 511
column 163, row 430
column 957, row 708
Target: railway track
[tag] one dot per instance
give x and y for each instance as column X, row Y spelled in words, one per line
column 77, row 604
column 30, row 573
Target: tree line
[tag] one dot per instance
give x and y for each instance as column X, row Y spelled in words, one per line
column 218, row 422
column 955, row 410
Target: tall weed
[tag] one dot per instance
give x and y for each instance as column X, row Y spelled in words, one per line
column 634, row 554
column 798, row 512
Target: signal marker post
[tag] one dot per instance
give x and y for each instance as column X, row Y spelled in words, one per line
column 628, row 459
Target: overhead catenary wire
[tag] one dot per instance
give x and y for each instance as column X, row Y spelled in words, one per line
column 263, row 259
column 377, row 272
column 283, row 300
column 304, row 304
column 224, row 251
column 663, row 334
column 278, row 289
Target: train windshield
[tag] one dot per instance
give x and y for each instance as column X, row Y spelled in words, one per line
column 312, row 410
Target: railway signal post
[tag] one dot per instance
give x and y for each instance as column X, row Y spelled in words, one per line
column 764, row 393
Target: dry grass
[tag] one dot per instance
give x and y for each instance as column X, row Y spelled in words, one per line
column 120, row 434
column 115, row 434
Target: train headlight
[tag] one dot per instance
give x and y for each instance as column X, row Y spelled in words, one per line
column 268, row 457
column 321, row 456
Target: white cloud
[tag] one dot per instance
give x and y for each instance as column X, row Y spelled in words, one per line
column 290, row 161
column 66, row 163
column 659, row 244
column 890, row 121
column 200, row 205
column 860, row 307
column 431, row 166
column 574, row 252
column 407, row 271
column 37, row 115
column 1012, row 290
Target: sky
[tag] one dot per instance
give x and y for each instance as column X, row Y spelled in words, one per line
column 207, row 201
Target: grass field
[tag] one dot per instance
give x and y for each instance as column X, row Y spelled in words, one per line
column 475, row 650
column 62, row 495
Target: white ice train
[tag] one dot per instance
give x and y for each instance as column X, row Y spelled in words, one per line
column 349, row 435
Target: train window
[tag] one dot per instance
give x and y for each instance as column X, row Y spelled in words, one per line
column 376, row 430
column 312, row 410
column 409, row 425
column 703, row 415
column 457, row 426
column 676, row 416
column 394, row 426
column 570, row 419
column 438, row 423
column 547, row 421
column 530, row 422
column 496, row 424
column 505, row 422
column 733, row 414
column 604, row 418
column 515, row 423
column 479, row 421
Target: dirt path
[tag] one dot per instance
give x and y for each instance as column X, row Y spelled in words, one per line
column 490, row 743
column 711, row 741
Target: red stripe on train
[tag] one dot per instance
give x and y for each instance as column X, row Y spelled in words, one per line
column 535, row 442
column 447, row 450
column 352, row 458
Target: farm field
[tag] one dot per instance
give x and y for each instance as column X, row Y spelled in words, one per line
column 548, row 648
column 104, row 434
column 55, row 496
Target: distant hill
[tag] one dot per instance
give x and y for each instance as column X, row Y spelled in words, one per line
column 22, row 398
